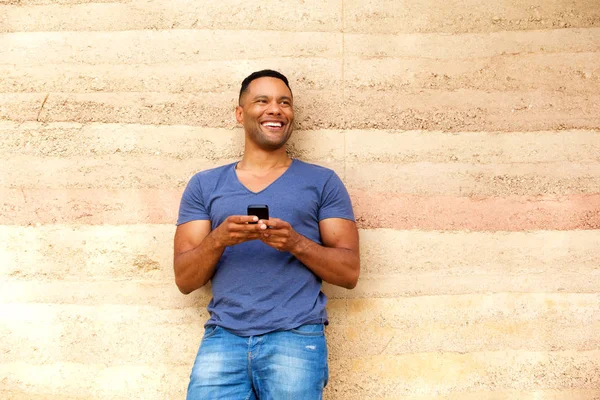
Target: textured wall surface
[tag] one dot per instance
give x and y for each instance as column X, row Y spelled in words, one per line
column 467, row 132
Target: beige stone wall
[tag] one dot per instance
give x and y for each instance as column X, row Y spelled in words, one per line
column 467, row 132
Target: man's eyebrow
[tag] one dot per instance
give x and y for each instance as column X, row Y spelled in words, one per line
column 264, row 96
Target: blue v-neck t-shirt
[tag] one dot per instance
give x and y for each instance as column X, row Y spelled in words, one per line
column 257, row 289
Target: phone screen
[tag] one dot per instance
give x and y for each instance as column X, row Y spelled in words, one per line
column 260, row 210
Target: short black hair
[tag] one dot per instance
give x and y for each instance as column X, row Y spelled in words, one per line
column 261, row 74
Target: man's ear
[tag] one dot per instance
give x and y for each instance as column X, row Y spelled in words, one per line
column 239, row 114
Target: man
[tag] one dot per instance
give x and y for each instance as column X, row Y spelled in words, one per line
column 265, row 336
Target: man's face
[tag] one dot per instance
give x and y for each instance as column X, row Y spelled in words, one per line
column 267, row 113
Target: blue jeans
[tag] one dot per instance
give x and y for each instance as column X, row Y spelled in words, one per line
column 278, row 365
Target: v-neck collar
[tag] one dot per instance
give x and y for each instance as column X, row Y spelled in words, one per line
column 237, row 178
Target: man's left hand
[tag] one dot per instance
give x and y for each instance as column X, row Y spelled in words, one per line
column 280, row 235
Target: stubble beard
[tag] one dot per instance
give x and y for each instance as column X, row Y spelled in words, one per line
column 259, row 137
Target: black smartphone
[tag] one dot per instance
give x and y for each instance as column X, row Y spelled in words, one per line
column 260, row 210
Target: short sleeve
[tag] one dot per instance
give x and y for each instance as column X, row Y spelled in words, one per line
column 192, row 206
column 335, row 200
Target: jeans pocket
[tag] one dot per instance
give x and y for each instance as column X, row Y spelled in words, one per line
column 210, row 330
column 309, row 330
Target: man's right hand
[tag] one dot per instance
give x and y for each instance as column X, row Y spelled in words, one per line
column 198, row 249
column 237, row 229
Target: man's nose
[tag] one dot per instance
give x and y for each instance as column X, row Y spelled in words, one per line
column 274, row 108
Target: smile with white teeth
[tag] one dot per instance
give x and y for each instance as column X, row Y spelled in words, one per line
column 272, row 124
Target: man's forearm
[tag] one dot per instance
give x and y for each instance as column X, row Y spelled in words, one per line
column 194, row 268
column 337, row 266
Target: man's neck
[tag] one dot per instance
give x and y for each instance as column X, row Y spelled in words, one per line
column 260, row 160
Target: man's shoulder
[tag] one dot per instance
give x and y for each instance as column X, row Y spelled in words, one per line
column 210, row 174
column 314, row 169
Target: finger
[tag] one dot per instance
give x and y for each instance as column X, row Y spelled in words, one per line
column 278, row 232
column 242, row 219
column 274, row 223
column 274, row 243
column 269, row 222
column 241, row 237
column 269, row 242
column 243, row 227
column 252, row 236
column 267, row 238
column 262, row 226
column 251, row 228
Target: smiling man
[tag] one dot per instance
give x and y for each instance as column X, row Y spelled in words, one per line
column 265, row 335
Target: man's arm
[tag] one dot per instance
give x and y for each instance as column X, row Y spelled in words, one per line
column 337, row 262
column 196, row 255
column 197, row 249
